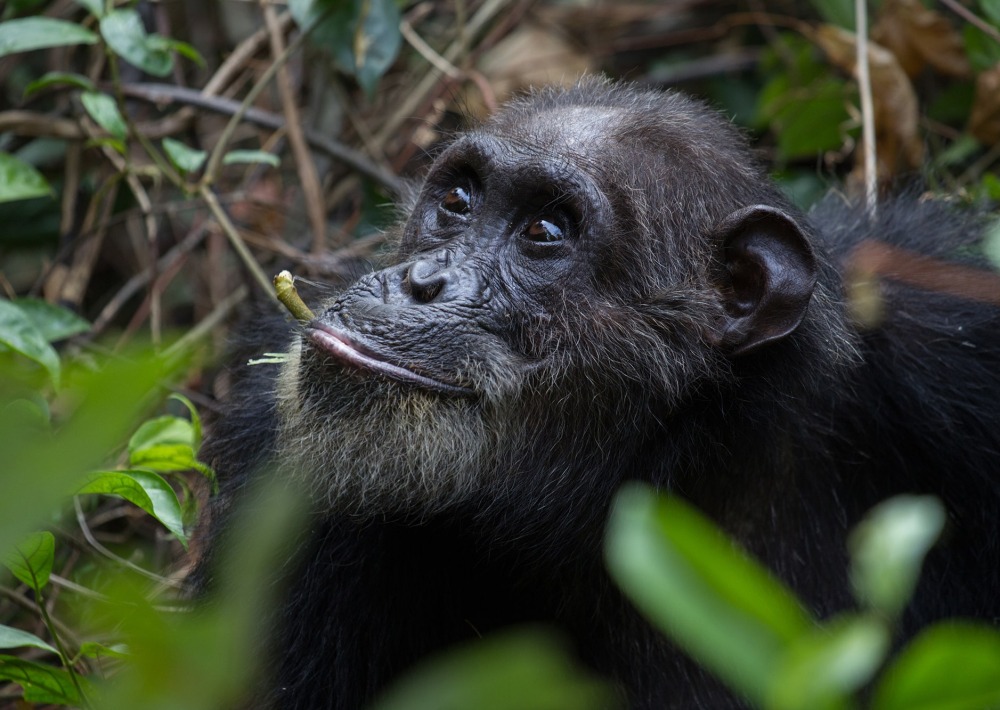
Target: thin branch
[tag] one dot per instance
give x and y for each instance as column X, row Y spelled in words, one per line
column 867, row 105
column 308, row 176
column 162, row 93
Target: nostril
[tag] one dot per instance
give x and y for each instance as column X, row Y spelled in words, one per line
column 426, row 279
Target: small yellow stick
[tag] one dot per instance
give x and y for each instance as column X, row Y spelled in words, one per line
column 284, row 287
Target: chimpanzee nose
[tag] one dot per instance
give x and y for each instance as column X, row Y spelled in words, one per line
column 428, row 279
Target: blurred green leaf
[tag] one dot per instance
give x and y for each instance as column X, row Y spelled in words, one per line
column 31, row 560
column 162, row 430
column 42, row 468
column 30, row 33
column 126, row 36
column 949, row 666
column 720, row 606
column 41, row 683
column 103, row 109
column 362, row 35
column 58, row 78
column 376, row 41
column 526, row 670
column 20, row 181
column 145, row 489
column 52, row 321
column 196, row 429
column 982, row 49
column 991, row 8
column 888, row 549
column 250, row 156
column 807, row 121
column 19, row 333
column 823, row 669
column 226, row 635
column 187, row 160
column 92, row 649
column 15, row 638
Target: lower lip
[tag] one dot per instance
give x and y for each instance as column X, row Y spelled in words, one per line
column 340, row 346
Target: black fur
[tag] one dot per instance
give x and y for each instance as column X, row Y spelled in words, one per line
column 624, row 365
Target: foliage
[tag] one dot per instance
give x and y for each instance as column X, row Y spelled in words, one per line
column 102, row 478
column 729, row 614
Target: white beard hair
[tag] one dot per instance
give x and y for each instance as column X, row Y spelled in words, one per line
column 408, row 453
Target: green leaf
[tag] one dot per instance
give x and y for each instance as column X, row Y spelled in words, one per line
column 31, row 560
column 103, row 109
column 376, row 41
column 30, row 33
column 187, row 160
column 362, row 35
column 53, row 322
column 145, row 489
column 20, row 181
column 42, row 683
column 949, row 666
column 182, row 48
column 58, row 78
column 15, row 638
column 126, row 36
column 991, row 8
column 250, row 156
column 42, row 467
column 981, row 48
column 888, row 549
column 823, row 669
column 92, row 649
column 19, row 333
column 721, row 607
column 526, row 670
column 162, row 430
column 196, row 428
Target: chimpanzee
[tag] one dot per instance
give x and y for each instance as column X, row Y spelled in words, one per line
column 600, row 284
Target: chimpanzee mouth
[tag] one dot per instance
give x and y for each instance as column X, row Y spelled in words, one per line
column 351, row 353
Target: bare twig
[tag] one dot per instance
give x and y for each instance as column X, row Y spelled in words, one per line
column 867, row 105
column 972, row 19
column 236, row 241
column 309, row 178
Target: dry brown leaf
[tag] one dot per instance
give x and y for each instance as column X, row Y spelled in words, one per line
column 920, row 37
column 896, row 111
column 984, row 121
column 531, row 55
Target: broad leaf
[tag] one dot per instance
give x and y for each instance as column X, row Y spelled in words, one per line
column 720, row 606
column 825, row 668
column 524, row 670
column 20, row 181
column 187, row 160
column 15, row 638
column 888, row 549
column 145, row 489
column 53, row 322
column 950, row 666
column 58, row 78
column 125, row 34
column 31, row 560
column 103, row 109
column 19, row 333
column 42, row 683
column 30, row 33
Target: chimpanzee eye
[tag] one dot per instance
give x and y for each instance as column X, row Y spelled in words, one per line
column 542, row 230
column 457, row 200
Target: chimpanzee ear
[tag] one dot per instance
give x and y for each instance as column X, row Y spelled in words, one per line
column 766, row 278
